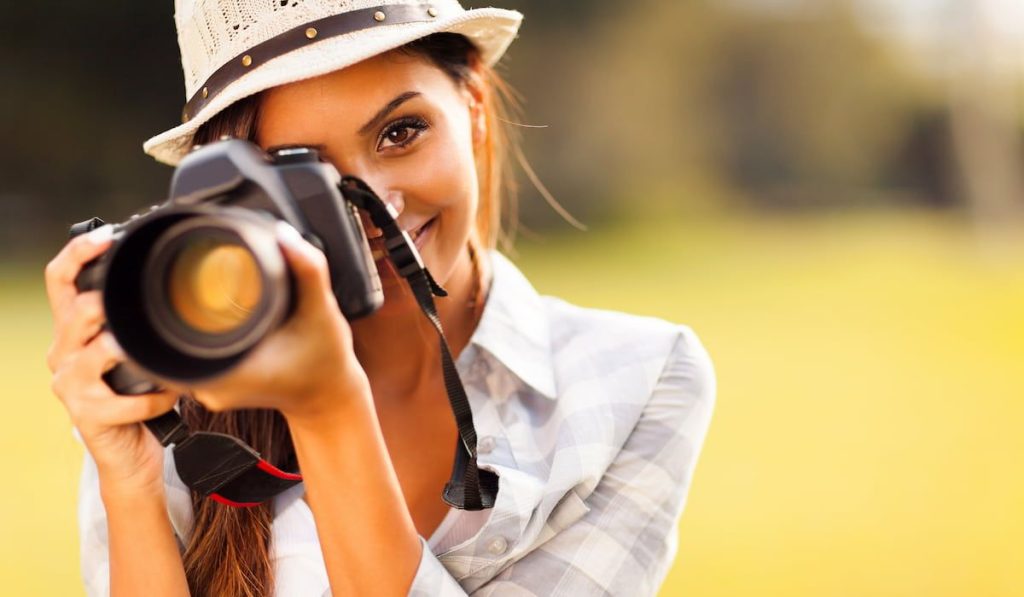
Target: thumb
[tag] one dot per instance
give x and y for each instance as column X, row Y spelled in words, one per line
column 309, row 265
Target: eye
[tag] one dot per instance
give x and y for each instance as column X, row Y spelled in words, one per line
column 401, row 133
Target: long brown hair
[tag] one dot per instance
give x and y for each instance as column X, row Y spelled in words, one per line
column 228, row 550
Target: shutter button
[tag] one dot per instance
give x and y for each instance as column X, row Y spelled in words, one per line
column 497, row 546
column 485, row 445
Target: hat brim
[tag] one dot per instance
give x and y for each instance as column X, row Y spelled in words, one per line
column 491, row 29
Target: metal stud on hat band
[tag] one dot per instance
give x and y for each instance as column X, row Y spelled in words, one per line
column 335, row 25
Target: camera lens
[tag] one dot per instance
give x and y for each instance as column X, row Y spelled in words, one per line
column 189, row 291
column 214, row 286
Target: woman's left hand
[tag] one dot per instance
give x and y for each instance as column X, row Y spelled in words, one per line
column 306, row 367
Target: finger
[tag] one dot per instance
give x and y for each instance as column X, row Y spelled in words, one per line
column 77, row 389
column 88, row 397
column 81, row 375
column 309, row 265
column 81, row 325
column 124, row 410
column 100, row 355
column 61, row 271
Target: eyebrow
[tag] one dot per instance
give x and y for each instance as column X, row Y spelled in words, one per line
column 366, row 128
column 391, row 107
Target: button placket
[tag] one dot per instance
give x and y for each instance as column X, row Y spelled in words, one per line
column 489, row 391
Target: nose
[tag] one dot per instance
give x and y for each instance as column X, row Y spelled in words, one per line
column 378, row 182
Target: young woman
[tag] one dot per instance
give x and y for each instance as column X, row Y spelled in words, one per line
column 592, row 420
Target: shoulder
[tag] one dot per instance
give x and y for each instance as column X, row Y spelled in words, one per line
column 639, row 391
column 570, row 323
column 603, row 345
column 588, row 375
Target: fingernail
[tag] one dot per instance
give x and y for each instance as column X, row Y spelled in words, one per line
column 101, row 234
column 291, row 237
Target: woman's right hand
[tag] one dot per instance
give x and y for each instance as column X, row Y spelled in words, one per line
column 128, row 458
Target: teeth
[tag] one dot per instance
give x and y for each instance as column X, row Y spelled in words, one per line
column 417, row 232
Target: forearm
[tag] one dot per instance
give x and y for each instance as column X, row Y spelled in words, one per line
column 144, row 558
column 369, row 542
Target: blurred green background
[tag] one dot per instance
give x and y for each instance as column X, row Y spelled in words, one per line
column 829, row 192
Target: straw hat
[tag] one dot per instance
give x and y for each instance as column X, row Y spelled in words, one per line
column 233, row 49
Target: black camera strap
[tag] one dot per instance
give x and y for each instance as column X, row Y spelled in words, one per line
column 227, row 470
column 470, row 487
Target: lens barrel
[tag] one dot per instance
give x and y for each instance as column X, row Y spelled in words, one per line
column 191, row 291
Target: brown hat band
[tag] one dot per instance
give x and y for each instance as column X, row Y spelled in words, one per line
column 303, row 35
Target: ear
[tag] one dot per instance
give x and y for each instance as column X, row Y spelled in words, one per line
column 475, row 92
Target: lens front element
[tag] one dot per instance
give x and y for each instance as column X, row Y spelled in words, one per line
column 214, row 286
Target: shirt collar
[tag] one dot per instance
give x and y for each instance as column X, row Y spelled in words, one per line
column 514, row 327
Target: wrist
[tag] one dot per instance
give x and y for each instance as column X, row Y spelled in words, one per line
column 327, row 408
column 117, row 488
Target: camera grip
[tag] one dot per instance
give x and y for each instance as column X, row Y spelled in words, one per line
column 89, row 277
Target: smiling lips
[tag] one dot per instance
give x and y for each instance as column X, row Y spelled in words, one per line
column 418, row 232
column 418, row 236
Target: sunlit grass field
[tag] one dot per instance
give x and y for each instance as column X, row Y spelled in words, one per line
column 868, row 433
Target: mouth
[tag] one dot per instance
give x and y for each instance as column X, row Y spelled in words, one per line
column 420, row 233
column 419, row 236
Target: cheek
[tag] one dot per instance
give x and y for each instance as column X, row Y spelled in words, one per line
column 441, row 179
column 456, row 197
column 456, row 173
column 442, row 176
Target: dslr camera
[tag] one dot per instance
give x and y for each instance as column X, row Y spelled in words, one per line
column 192, row 285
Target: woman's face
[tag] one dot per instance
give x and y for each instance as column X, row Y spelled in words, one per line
column 403, row 126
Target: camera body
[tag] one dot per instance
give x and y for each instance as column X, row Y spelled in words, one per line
column 192, row 285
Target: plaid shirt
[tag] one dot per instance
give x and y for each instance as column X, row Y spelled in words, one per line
column 593, row 421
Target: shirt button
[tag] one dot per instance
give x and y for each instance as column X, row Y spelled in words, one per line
column 497, row 546
column 485, row 445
